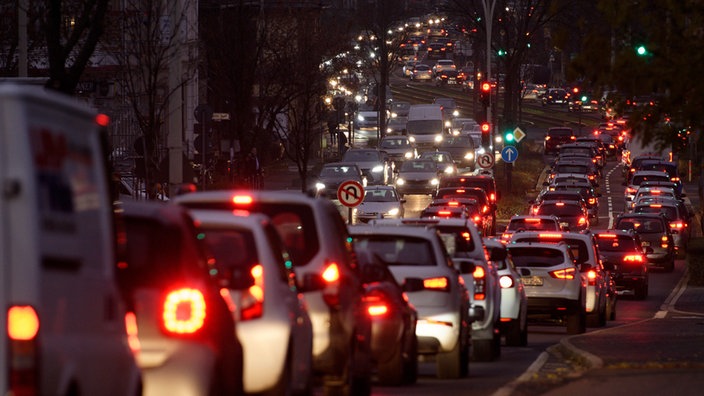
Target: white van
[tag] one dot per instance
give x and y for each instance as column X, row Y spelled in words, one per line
column 65, row 319
column 426, row 125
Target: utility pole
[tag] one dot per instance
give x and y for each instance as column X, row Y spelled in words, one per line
column 488, row 21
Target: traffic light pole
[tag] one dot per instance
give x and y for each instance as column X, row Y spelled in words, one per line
column 488, row 21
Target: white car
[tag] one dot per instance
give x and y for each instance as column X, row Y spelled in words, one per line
column 586, row 252
column 272, row 322
column 514, row 303
column 443, row 305
column 380, row 202
column 554, row 288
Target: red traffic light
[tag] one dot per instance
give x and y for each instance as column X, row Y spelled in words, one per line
column 486, row 87
column 485, row 127
column 575, row 90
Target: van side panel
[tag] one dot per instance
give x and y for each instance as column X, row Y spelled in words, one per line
column 61, row 218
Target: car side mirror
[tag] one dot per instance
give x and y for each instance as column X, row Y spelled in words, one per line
column 476, row 313
column 413, row 284
column 311, row 282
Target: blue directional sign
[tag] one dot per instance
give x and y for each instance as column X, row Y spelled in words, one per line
column 509, row 154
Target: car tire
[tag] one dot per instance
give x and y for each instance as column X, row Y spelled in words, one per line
column 410, row 363
column 515, row 335
column 356, row 377
column 577, row 321
column 391, row 372
column 449, row 363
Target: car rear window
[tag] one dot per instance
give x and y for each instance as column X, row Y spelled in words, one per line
column 638, row 179
column 395, row 250
column 559, row 210
column 533, row 225
column 577, row 247
column 643, row 226
column 536, row 256
column 669, row 211
column 616, row 243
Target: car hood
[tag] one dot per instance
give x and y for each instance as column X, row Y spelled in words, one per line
column 418, row 175
column 378, row 206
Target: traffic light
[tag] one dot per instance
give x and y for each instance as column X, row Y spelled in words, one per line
column 486, row 134
column 485, row 93
column 641, row 50
column 509, row 138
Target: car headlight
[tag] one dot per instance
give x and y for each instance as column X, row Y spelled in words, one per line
column 408, row 155
column 434, row 182
column 360, row 117
column 456, row 113
column 469, row 156
column 481, row 150
column 393, row 212
column 319, row 186
column 400, row 181
column 449, row 170
column 389, row 130
column 412, row 139
column 448, row 124
column 377, row 169
column 438, row 138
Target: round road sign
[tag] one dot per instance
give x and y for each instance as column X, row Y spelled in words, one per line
column 485, row 161
column 350, row 193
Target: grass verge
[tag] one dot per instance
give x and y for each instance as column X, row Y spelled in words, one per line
column 524, row 176
column 695, row 261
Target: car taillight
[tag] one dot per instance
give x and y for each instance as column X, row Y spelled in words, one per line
column 23, row 351
column 506, row 282
column 633, row 258
column 331, row 276
column 678, row 225
column 492, row 197
column 591, row 277
column 479, row 283
column 132, row 333
column 548, row 235
column 376, row 304
column 184, row 311
column 630, row 190
column 440, row 283
column 242, row 200
column 477, row 219
column 592, row 201
column 252, row 300
column 664, row 242
column 582, row 221
column 444, row 213
column 567, row 273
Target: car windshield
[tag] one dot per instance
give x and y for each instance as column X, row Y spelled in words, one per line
column 394, row 143
column 536, row 256
column 616, row 243
column 397, row 250
column 643, row 226
column 380, row 195
column 533, row 224
column 342, row 170
column 361, row 155
column 418, row 166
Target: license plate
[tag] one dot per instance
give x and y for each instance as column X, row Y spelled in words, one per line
column 532, row 280
column 645, row 243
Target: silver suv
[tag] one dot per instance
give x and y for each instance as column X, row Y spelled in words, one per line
column 316, row 237
column 554, row 288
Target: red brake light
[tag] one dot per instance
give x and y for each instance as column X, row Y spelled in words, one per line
column 677, row 225
column 633, row 258
column 610, row 236
column 655, row 206
column 331, row 273
column 444, row 212
column 492, row 197
column 567, row 273
column 102, row 119
column 466, row 235
column 242, row 199
column 478, row 273
column 582, row 220
column 477, row 219
column 184, row 311
column 453, row 203
column 591, row 277
column 22, row 323
column 548, row 235
column 560, row 204
column 132, row 332
column 439, row 283
column 252, row 300
column 376, row 304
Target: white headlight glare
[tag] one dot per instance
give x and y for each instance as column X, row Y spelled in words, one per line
column 389, row 130
column 393, row 212
column 408, row 155
column 481, row 150
column 455, row 113
column 377, row 169
column 469, row 156
column 400, row 181
column 319, row 186
column 449, row 170
column 412, row 139
column 438, row 138
column 448, row 124
column 360, row 117
column 434, row 182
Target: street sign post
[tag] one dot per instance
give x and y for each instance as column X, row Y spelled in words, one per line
column 350, row 194
column 509, row 154
column 485, row 161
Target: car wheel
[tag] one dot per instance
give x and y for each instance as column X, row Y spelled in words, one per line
column 356, row 377
column 577, row 321
column 449, row 363
column 410, row 363
column 515, row 334
column 391, row 372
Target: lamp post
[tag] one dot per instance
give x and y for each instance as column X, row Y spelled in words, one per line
column 488, row 21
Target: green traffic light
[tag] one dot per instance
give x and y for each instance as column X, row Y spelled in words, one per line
column 509, row 137
column 641, row 50
column 584, row 98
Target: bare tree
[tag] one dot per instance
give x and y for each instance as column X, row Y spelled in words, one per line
column 149, row 31
column 72, row 31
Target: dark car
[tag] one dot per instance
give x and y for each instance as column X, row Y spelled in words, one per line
column 393, row 342
column 333, row 174
column 470, row 208
column 461, row 148
column 436, row 50
column 449, row 77
column 186, row 329
column 572, row 214
column 623, row 256
column 417, row 176
column 555, row 96
column 556, row 137
column 654, row 232
column 487, row 208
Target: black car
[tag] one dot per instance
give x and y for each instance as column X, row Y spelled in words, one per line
column 333, row 174
column 624, row 257
column 461, row 148
column 654, row 232
column 555, row 96
column 449, row 77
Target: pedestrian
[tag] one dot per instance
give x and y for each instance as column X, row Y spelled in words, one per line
column 342, row 143
column 252, row 169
